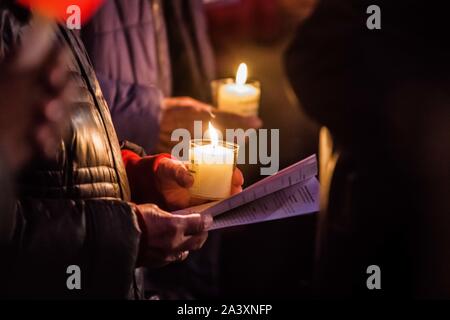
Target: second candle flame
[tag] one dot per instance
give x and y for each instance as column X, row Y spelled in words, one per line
column 213, row 135
column 241, row 75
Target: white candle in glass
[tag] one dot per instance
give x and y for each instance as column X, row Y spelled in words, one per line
column 212, row 166
column 240, row 97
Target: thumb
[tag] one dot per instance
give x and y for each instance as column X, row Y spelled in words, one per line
column 175, row 170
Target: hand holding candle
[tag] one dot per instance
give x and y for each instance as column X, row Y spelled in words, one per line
column 178, row 185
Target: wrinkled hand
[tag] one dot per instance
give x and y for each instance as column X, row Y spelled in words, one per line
column 174, row 181
column 167, row 237
column 181, row 112
column 32, row 107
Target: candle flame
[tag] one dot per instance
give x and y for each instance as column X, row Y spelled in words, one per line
column 241, row 75
column 213, row 135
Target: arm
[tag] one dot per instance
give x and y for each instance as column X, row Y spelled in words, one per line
column 135, row 111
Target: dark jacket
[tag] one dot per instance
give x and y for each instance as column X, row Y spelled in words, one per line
column 72, row 210
column 144, row 50
column 383, row 94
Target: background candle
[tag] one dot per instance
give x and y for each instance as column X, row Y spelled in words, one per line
column 240, row 97
column 212, row 163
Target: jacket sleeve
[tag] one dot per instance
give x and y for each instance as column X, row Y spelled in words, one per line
column 135, row 111
column 101, row 237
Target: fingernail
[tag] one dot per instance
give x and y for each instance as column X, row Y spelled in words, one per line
column 207, row 222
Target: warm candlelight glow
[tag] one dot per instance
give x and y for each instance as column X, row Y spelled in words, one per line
column 212, row 163
column 241, row 75
column 240, row 96
column 213, row 135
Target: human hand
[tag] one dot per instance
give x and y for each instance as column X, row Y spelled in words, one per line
column 32, row 106
column 168, row 238
column 181, row 112
column 227, row 120
column 174, row 181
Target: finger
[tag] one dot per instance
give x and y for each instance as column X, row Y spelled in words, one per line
column 254, row 122
column 238, row 178
column 176, row 171
column 194, row 242
column 187, row 102
column 46, row 139
column 58, row 81
column 177, row 101
column 54, row 110
column 56, row 77
column 154, row 259
column 172, row 102
column 235, row 189
column 181, row 256
column 237, row 182
column 196, row 223
column 232, row 120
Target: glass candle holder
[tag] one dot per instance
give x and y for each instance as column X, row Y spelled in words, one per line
column 212, row 166
column 242, row 99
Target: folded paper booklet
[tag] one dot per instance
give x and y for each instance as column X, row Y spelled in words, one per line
column 291, row 192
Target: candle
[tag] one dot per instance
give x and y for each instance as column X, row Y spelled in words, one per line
column 212, row 163
column 240, row 97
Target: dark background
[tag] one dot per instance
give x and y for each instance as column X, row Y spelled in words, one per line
column 273, row 259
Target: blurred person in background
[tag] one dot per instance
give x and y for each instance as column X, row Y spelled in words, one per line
column 154, row 63
column 384, row 96
column 33, row 109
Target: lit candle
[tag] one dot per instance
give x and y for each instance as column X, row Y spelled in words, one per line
column 212, row 163
column 240, row 97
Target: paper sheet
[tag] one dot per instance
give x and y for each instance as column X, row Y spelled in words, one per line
column 289, row 176
column 291, row 192
column 299, row 199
